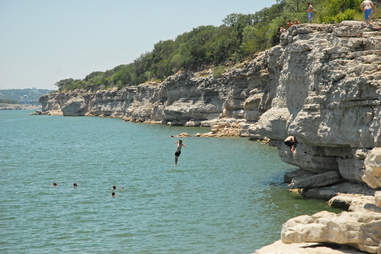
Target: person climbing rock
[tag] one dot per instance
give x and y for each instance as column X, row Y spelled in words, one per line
column 291, row 142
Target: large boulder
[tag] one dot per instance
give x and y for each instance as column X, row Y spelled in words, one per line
column 351, row 169
column 361, row 230
column 76, row 106
column 271, row 124
column 372, row 173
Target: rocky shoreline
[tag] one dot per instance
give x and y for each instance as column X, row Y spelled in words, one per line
column 322, row 85
column 6, row 106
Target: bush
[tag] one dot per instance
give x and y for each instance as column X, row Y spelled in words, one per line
column 218, row 71
column 238, row 37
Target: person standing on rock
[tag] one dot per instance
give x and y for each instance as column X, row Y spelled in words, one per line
column 368, row 8
column 282, row 29
column 178, row 150
column 309, row 11
column 289, row 24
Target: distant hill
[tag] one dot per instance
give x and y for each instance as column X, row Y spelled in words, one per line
column 22, row 96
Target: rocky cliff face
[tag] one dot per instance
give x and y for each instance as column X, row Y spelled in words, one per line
column 244, row 92
column 322, row 84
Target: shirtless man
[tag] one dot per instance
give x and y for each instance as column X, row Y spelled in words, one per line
column 291, row 142
column 178, row 150
column 368, row 8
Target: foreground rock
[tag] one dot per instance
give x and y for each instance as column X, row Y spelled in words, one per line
column 361, row 230
column 306, row 248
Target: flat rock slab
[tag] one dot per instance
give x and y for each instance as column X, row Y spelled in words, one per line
column 304, row 248
column 317, row 180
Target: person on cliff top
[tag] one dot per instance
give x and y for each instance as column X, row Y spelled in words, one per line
column 289, row 24
column 296, row 22
column 178, row 150
column 291, row 142
column 309, row 11
column 368, row 8
column 282, row 29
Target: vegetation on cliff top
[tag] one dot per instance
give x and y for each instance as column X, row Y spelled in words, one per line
column 239, row 37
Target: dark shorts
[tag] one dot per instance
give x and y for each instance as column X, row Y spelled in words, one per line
column 177, row 153
column 291, row 143
column 367, row 14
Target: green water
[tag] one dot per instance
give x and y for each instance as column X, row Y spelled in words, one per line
column 225, row 195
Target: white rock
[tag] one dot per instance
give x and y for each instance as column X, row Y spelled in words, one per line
column 377, row 197
column 304, row 248
column 358, row 229
column 372, row 174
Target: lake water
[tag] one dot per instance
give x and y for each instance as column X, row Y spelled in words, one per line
column 225, row 195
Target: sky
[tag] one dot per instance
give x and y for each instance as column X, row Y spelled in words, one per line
column 44, row 41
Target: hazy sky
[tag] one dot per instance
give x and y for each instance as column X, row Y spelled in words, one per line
column 44, row 41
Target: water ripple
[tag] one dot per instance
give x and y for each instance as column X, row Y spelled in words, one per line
column 225, row 196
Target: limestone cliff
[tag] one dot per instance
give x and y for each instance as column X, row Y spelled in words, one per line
column 322, row 84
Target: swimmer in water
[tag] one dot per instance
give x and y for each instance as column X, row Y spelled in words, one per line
column 113, row 194
column 75, row 185
column 178, row 150
column 54, row 184
column 114, row 187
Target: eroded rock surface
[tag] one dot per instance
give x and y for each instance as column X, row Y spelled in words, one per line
column 372, row 174
column 306, row 248
column 322, row 85
column 357, row 229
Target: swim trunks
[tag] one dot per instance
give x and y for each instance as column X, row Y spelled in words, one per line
column 309, row 16
column 177, row 153
column 367, row 13
column 289, row 143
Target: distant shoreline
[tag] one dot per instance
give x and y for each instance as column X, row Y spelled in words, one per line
column 6, row 106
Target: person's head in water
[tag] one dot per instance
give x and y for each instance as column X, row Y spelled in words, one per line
column 113, row 194
column 114, row 187
column 75, row 185
column 54, row 184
